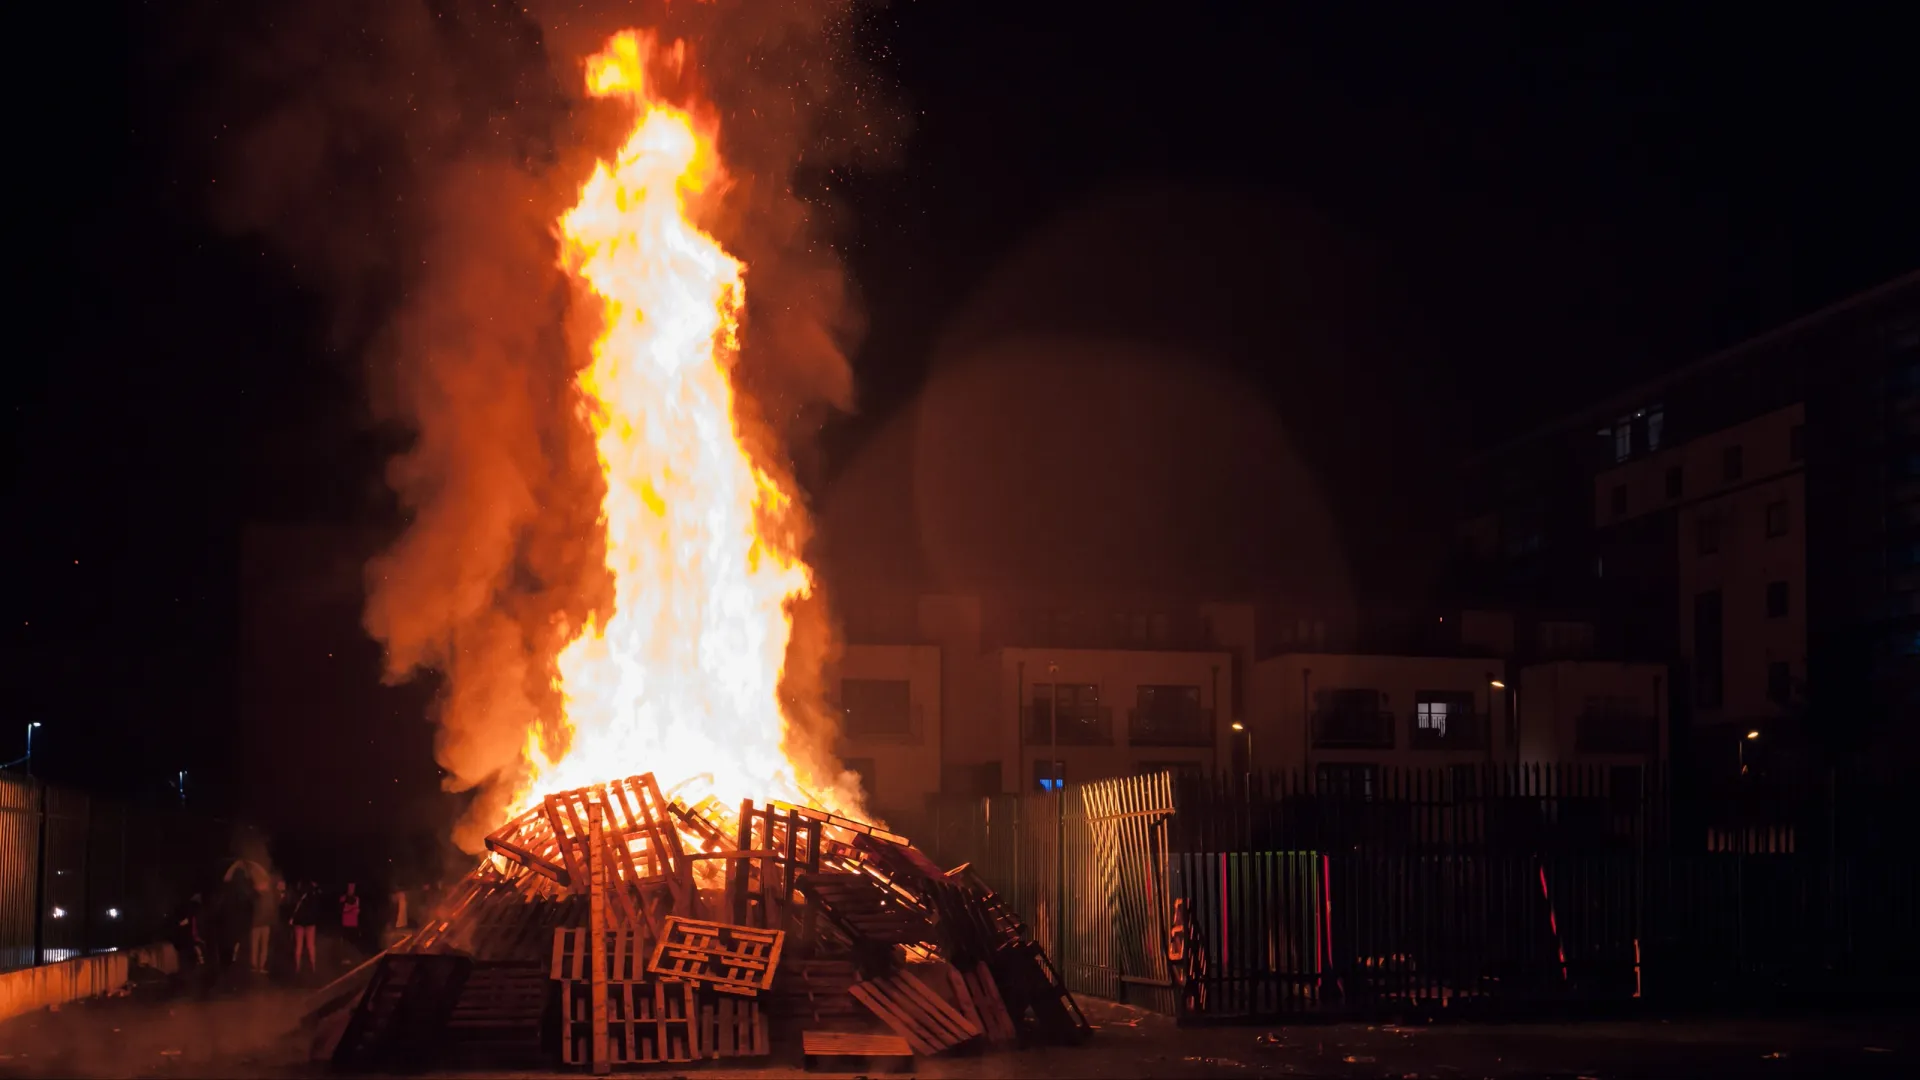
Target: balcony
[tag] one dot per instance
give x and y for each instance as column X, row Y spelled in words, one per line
column 1078, row 727
column 1463, row 731
column 1351, row 730
column 1616, row 733
column 1170, row 727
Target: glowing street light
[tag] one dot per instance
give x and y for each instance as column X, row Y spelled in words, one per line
column 1751, row 735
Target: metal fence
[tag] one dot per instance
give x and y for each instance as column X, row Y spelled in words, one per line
column 1471, row 890
column 80, row 874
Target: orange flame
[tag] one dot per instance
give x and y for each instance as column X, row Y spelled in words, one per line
column 683, row 678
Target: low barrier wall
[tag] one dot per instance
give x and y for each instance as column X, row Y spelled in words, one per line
column 34, row 988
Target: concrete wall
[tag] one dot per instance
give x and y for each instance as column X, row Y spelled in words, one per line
column 50, row 985
column 1552, row 697
column 1119, row 673
column 1283, row 692
column 905, row 768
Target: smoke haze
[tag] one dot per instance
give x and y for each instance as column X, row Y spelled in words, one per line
column 410, row 159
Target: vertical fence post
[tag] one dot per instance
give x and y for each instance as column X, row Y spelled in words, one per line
column 39, row 798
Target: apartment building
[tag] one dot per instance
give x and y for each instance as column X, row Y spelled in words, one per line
column 1344, row 716
column 1736, row 500
column 986, row 693
column 1752, row 518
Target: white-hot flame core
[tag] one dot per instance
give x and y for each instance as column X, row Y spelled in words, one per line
column 683, row 678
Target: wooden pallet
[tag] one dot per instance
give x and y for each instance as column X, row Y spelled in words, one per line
column 867, row 909
column 573, row 961
column 499, row 1016
column 733, row 959
column 815, row 1045
column 731, row 1027
column 815, row 989
column 641, row 841
column 983, row 993
column 401, row 1017
column 915, row 1013
column 1031, row 988
column 528, row 841
column 648, row 1023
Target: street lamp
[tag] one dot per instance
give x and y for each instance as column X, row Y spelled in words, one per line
column 1242, row 728
column 1751, row 735
column 30, row 728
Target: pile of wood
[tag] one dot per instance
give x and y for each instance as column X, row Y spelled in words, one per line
column 614, row 925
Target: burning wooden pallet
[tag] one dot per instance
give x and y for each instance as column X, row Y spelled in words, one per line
column 667, row 928
column 732, row 959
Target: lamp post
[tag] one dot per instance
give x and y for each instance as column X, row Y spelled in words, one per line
column 1248, row 732
column 1751, row 735
column 30, row 728
column 1495, row 684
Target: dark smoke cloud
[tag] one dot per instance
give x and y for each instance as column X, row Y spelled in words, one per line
column 410, row 157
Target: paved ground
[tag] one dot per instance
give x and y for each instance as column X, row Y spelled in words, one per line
column 245, row 1032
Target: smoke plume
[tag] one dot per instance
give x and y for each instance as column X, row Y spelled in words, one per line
column 410, row 157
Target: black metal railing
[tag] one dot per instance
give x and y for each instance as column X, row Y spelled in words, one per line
column 1615, row 733
column 1347, row 729
column 1460, row 890
column 1166, row 727
column 1461, row 731
column 1077, row 727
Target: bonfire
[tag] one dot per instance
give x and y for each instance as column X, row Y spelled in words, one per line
column 632, row 924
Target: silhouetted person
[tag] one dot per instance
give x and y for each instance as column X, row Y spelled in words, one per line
column 303, row 915
column 350, row 914
column 260, row 928
column 183, row 932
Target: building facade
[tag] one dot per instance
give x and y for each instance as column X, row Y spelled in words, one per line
column 1753, row 519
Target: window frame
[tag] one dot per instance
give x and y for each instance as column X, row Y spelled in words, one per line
column 908, row 728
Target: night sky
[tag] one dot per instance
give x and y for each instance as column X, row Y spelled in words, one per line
column 1543, row 210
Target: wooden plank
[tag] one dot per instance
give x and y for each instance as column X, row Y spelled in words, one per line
column 895, row 1018
column 852, row 1044
column 597, row 936
column 936, row 1008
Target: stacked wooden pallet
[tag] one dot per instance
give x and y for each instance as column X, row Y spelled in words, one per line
column 629, row 927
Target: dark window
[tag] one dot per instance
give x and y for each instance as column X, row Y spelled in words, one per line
column 1049, row 775
column 1676, row 481
column 1706, row 535
column 877, row 706
column 863, row 768
column 1625, row 784
column 1779, row 681
column 1777, row 518
column 1797, row 442
column 1169, row 716
column 1445, row 720
column 1347, row 781
column 1351, row 717
column 1732, row 463
column 1708, row 634
column 1619, row 500
column 982, row 779
column 1776, row 599
column 1077, row 708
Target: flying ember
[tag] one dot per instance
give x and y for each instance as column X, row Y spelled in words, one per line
column 683, row 677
